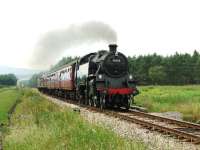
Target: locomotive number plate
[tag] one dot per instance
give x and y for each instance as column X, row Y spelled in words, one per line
column 116, row 60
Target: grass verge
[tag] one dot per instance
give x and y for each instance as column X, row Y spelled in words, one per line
column 184, row 99
column 40, row 124
column 2, row 86
column 8, row 97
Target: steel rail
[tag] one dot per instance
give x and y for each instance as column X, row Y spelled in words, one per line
column 168, row 120
column 155, row 127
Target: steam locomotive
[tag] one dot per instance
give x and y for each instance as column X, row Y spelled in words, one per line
column 99, row 79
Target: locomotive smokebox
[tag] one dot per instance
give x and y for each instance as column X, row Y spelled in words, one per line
column 113, row 48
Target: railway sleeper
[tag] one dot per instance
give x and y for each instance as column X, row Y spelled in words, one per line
column 171, row 131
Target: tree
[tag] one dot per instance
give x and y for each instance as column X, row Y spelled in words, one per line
column 157, row 74
column 196, row 72
column 8, row 79
column 63, row 61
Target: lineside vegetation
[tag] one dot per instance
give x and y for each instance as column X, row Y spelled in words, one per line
column 40, row 124
column 184, row 99
column 8, row 97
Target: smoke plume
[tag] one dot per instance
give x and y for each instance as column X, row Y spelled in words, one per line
column 52, row 44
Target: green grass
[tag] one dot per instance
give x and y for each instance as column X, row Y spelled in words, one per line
column 1, row 86
column 8, row 97
column 184, row 99
column 40, row 124
column 5, row 86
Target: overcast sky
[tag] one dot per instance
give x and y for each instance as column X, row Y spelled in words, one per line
column 142, row 26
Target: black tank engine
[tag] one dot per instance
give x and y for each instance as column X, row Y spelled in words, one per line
column 109, row 82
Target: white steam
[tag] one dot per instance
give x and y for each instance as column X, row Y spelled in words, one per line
column 52, row 45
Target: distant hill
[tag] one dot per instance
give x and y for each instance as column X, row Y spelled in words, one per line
column 21, row 73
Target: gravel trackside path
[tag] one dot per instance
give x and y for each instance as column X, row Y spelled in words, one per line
column 153, row 140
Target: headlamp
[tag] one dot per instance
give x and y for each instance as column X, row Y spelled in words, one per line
column 100, row 76
column 130, row 77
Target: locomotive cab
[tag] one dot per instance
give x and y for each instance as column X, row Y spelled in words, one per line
column 83, row 73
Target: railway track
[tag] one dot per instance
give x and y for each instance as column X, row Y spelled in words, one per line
column 182, row 130
column 167, row 120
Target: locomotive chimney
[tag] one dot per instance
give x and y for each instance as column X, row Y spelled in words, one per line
column 113, row 48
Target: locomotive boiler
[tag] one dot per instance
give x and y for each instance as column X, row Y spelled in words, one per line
column 99, row 79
